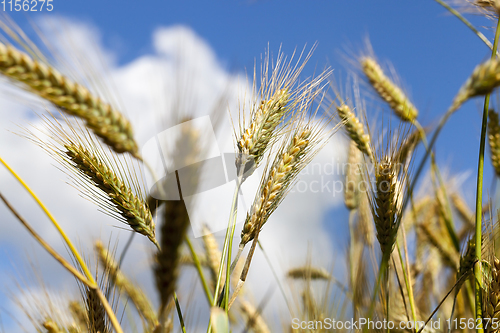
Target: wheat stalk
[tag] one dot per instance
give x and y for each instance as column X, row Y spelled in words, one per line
column 388, row 90
column 106, row 122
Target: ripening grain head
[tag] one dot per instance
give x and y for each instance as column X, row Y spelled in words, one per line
column 275, row 99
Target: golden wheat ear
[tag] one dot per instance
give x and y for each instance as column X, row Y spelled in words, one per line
column 74, row 99
column 484, row 78
column 274, row 102
column 96, row 170
column 388, row 90
column 388, row 190
column 494, row 140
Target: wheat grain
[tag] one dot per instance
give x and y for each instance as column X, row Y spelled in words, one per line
column 388, row 91
column 43, row 80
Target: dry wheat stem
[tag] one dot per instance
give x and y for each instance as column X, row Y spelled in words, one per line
column 137, row 296
column 388, row 90
column 106, row 122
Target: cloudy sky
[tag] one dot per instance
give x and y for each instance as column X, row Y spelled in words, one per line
column 147, row 53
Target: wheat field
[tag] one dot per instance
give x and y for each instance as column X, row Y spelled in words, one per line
column 172, row 195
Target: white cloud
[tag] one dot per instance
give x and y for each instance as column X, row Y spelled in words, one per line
column 184, row 69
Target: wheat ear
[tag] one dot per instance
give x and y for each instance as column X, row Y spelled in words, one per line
column 309, row 273
column 467, row 260
column 137, row 296
column 278, row 94
column 491, row 296
column 384, row 204
column 131, row 208
column 355, row 130
column 494, row 140
column 106, row 122
column 484, row 78
column 353, row 176
column 96, row 314
column 172, row 232
column 388, row 91
column 273, row 189
column 256, row 137
column 213, row 254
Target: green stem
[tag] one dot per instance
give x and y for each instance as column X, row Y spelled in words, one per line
column 197, row 264
column 383, row 266
column 467, row 23
column 409, row 288
column 479, row 197
column 179, row 313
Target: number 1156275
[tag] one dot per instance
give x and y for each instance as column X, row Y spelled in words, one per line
column 26, row 5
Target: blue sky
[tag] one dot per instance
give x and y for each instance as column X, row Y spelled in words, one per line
column 432, row 52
